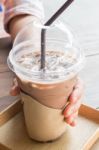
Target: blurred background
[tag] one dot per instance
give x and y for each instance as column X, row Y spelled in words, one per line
column 2, row 32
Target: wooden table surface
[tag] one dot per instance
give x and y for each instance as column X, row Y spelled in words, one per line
column 82, row 16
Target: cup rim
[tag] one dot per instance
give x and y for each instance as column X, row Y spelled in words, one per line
column 78, row 64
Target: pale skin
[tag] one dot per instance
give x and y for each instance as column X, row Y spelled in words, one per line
column 71, row 111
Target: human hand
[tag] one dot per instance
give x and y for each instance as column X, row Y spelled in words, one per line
column 71, row 111
column 15, row 90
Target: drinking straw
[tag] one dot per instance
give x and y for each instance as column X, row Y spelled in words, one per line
column 48, row 23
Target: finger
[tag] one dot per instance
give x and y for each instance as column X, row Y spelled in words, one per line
column 71, row 119
column 71, row 109
column 74, row 123
column 74, row 100
column 15, row 91
column 15, row 82
column 77, row 92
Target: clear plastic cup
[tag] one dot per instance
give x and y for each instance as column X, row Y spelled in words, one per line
column 45, row 93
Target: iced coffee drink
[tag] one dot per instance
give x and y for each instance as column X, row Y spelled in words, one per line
column 45, row 92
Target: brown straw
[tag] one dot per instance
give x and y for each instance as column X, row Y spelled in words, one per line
column 48, row 23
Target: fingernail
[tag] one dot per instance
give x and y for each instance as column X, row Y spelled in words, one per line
column 74, row 123
column 70, row 112
column 73, row 99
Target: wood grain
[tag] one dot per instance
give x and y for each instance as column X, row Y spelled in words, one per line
column 10, row 111
column 2, row 147
column 89, row 113
column 95, row 146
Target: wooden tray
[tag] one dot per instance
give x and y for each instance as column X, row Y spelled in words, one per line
column 13, row 134
column 96, row 145
column 8, row 104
